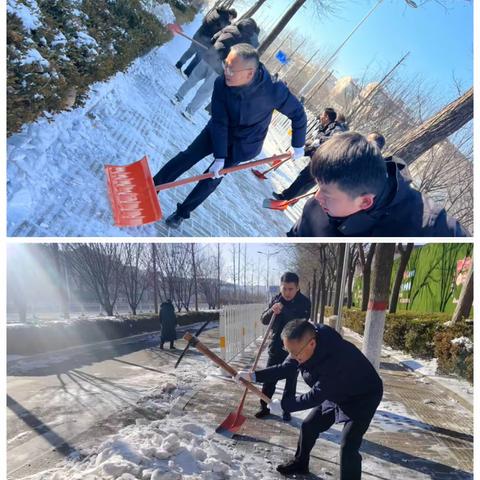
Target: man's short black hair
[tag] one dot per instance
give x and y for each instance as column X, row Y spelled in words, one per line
column 298, row 329
column 289, row 277
column 330, row 113
column 246, row 52
column 232, row 13
column 352, row 162
column 378, row 138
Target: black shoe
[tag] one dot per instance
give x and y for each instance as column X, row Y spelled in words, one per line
column 174, row 220
column 161, row 347
column 263, row 412
column 286, row 416
column 173, row 348
column 178, row 66
column 293, row 467
column 278, row 196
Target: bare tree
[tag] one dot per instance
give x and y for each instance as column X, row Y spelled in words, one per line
column 465, row 301
column 405, row 253
column 99, row 266
column 366, row 264
column 134, row 278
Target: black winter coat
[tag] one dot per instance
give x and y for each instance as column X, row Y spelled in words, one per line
column 213, row 22
column 401, row 211
column 168, row 321
column 241, row 116
column 322, row 135
column 299, row 307
column 224, row 40
column 340, row 376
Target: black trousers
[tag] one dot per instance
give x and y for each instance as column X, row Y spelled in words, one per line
column 178, row 165
column 290, row 382
column 302, row 184
column 192, row 65
column 352, row 436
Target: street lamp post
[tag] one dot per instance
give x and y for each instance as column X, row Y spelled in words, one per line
column 268, row 254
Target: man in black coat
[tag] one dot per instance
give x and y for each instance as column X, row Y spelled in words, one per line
column 210, row 65
column 243, row 101
column 168, row 322
column 345, row 388
column 214, row 21
column 362, row 195
column 288, row 305
column 304, row 181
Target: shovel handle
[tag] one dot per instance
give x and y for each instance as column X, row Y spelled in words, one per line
column 221, row 363
column 236, row 168
column 274, row 167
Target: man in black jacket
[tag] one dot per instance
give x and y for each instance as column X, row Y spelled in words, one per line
column 243, row 100
column 213, row 22
column 304, row 181
column 345, row 388
column 362, row 195
column 288, row 305
column 210, row 65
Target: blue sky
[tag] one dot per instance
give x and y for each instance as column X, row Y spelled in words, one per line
column 440, row 41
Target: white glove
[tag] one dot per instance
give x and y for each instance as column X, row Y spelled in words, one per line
column 275, row 407
column 245, row 374
column 296, row 152
column 217, row 165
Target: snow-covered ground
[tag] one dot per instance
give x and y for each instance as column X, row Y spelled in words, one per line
column 55, row 179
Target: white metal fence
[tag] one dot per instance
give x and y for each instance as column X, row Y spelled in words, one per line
column 240, row 325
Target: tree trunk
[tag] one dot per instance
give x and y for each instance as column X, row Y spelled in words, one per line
column 378, row 302
column 282, row 23
column 366, row 270
column 252, row 10
column 450, row 119
column 465, row 301
column 350, row 288
column 314, row 296
column 155, row 280
column 322, row 298
column 195, row 283
column 404, row 258
column 338, row 280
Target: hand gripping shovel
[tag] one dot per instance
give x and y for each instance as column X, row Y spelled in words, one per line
column 284, row 204
column 133, row 194
column 235, row 420
column 263, row 175
column 230, row 370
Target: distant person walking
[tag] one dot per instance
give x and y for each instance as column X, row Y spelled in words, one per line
column 168, row 322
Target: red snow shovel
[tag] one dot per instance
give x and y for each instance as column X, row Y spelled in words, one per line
column 235, row 420
column 263, row 175
column 133, row 194
column 176, row 29
column 284, row 204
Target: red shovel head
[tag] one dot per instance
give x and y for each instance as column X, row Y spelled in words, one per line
column 276, row 204
column 174, row 28
column 276, row 163
column 258, row 174
column 231, row 425
column 132, row 194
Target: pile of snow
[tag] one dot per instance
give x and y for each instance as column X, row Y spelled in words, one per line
column 173, row 447
column 163, row 12
column 34, row 56
column 28, row 13
column 463, row 342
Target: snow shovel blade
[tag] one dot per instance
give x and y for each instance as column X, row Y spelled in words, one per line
column 174, row 28
column 132, row 194
column 260, row 175
column 231, row 425
column 276, row 204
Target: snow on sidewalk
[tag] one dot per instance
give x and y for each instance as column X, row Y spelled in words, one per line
column 55, row 176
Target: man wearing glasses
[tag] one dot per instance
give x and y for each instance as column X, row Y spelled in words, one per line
column 243, row 100
column 345, row 388
column 288, row 305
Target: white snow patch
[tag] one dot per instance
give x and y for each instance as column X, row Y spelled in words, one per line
column 163, row 12
column 34, row 56
column 463, row 342
column 28, row 13
column 84, row 39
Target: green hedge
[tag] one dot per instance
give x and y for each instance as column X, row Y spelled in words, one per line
column 122, row 30
column 424, row 335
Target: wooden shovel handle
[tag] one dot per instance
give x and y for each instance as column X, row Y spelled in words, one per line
column 221, row 363
column 236, row 168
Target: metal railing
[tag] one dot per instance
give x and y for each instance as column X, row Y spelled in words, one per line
column 240, row 325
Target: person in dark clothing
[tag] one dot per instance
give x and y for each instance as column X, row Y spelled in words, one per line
column 304, row 181
column 243, row 100
column 345, row 388
column 360, row 194
column 213, row 22
column 288, row 305
column 210, row 66
column 168, row 322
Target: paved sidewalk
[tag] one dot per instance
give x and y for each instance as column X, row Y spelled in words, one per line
column 421, row 429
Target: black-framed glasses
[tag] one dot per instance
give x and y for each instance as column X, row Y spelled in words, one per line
column 295, row 355
column 231, row 72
